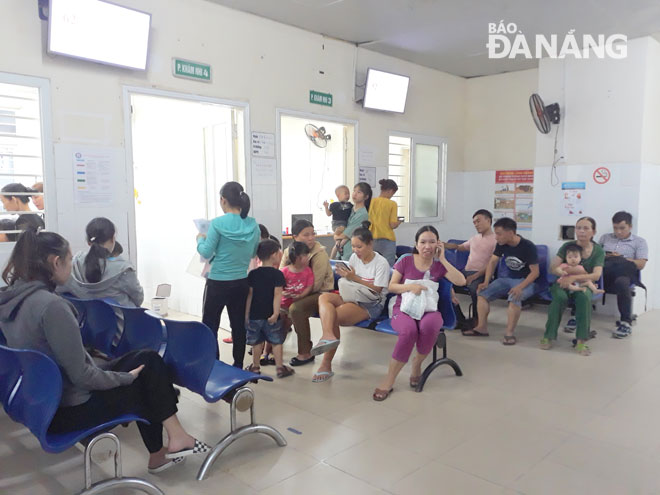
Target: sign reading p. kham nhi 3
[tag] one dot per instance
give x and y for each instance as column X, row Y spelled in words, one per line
column 191, row 70
column 320, row 98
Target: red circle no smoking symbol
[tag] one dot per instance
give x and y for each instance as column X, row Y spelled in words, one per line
column 601, row 175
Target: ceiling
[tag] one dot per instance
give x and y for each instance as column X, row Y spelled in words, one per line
column 451, row 35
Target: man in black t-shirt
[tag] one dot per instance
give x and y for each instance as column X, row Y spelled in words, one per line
column 517, row 282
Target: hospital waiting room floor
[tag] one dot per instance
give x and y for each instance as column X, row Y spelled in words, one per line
column 520, row 420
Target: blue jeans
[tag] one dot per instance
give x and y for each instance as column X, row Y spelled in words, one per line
column 500, row 287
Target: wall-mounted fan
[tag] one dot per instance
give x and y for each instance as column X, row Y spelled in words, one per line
column 543, row 115
column 317, row 135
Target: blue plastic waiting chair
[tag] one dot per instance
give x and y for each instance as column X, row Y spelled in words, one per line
column 190, row 354
column 98, row 324
column 34, row 382
column 142, row 330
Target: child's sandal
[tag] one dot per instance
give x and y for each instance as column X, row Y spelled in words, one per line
column 583, row 349
column 284, row 371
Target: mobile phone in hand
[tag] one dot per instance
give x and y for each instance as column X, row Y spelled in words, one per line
column 401, row 219
column 343, row 265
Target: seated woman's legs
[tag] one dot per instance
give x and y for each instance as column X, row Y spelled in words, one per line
column 408, row 332
column 300, row 312
column 345, row 314
column 429, row 328
column 555, row 311
column 151, row 396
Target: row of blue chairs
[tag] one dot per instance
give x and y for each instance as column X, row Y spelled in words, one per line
column 30, row 382
column 383, row 324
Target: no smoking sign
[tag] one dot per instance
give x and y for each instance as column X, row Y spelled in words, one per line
column 602, row 175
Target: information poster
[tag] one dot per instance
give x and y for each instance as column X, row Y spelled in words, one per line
column 92, row 178
column 514, row 196
column 263, row 144
column 572, row 200
column 368, row 175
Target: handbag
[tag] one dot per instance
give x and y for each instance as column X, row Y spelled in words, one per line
column 357, row 293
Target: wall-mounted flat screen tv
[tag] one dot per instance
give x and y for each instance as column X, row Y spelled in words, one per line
column 99, row 31
column 385, row 91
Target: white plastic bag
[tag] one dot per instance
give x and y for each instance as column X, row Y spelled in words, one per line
column 416, row 305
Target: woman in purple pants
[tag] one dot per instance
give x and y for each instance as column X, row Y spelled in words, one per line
column 428, row 256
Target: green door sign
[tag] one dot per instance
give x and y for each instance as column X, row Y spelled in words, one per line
column 320, row 98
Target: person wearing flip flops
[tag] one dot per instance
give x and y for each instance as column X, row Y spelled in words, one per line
column 521, row 259
column 301, row 310
column 34, row 317
column 262, row 309
column 593, row 259
column 428, row 256
column 362, row 296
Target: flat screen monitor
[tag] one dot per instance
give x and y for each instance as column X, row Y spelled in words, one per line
column 385, row 91
column 301, row 216
column 99, row 31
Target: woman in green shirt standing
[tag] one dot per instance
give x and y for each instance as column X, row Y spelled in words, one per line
column 361, row 201
column 593, row 258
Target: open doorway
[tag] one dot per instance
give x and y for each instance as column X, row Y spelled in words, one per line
column 183, row 151
column 313, row 165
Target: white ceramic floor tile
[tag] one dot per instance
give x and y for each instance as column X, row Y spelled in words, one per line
column 439, row 478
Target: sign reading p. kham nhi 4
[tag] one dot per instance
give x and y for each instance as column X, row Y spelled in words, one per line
column 191, row 70
column 320, row 98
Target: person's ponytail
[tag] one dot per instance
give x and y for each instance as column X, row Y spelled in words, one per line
column 99, row 231
column 95, row 262
column 245, row 204
column 29, row 258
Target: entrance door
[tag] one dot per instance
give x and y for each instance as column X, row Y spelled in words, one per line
column 183, row 151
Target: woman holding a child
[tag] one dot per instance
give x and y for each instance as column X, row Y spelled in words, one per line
column 593, row 259
column 361, row 201
column 303, row 308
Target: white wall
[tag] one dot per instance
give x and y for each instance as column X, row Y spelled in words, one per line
column 267, row 64
column 499, row 132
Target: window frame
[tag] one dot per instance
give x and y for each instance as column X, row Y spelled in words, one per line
column 443, row 144
column 47, row 156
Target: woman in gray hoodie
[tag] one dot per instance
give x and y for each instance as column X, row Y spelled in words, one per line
column 99, row 273
column 33, row 317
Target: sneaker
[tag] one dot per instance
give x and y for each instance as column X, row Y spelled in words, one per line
column 545, row 344
column 622, row 331
column 571, row 325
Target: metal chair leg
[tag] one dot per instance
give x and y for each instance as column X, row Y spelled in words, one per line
column 239, row 401
column 441, row 343
column 117, row 481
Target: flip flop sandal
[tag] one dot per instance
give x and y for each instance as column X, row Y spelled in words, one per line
column 380, row 395
column 474, row 333
column 414, row 381
column 324, row 345
column 322, row 376
column 509, row 340
column 284, row 371
column 199, row 448
column 167, row 465
column 300, row 362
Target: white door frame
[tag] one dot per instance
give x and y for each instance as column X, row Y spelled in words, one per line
column 128, row 137
column 279, row 112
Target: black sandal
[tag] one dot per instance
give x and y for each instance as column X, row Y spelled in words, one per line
column 300, row 362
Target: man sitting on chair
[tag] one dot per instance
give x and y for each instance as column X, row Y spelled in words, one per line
column 481, row 247
column 625, row 255
column 521, row 259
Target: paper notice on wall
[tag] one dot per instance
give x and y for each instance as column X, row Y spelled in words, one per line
column 366, row 156
column 92, row 177
column 263, row 144
column 368, row 175
column 514, row 196
column 264, row 171
column 572, row 199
